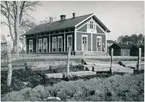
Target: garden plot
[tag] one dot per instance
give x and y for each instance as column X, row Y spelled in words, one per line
column 114, row 88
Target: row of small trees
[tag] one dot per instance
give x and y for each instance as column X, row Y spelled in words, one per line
column 133, row 39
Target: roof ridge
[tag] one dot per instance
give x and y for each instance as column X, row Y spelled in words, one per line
column 70, row 18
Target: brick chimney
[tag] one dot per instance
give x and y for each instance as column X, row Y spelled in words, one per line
column 62, row 17
column 73, row 14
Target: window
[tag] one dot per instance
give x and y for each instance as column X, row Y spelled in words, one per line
column 60, row 43
column 69, row 41
column 54, row 44
column 91, row 25
column 30, row 46
column 45, row 44
column 40, row 45
column 99, row 44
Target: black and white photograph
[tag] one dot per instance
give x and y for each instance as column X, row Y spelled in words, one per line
column 72, row 50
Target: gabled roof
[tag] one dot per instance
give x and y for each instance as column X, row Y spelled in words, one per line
column 123, row 45
column 67, row 23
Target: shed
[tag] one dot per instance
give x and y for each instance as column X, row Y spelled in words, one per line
column 120, row 49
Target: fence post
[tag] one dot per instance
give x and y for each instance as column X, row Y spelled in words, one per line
column 112, row 50
column 139, row 59
column 68, row 61
column 9, row 61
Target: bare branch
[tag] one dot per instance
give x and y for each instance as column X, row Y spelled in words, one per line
column 21, row 11
column 5, row 23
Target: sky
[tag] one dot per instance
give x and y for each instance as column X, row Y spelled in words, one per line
column 121, row 17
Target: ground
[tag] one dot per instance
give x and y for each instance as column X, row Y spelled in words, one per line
column 31, row 84
column 114, row 88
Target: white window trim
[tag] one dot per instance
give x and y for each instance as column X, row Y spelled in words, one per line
column 46, row 44
column 101, row 43
column 67, row 41
column 31, row 45
column 53, row 43
column 82, row 41
column 91, row 30
column 59, row 44
column 40, row 46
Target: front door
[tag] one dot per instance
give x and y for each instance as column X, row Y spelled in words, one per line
column 69, row 41
column 84, row 43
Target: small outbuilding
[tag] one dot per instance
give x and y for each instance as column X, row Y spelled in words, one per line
column 120, row 49
column 126, row 49
column 135, row 50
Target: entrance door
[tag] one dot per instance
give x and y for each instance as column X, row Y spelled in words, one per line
column 69, row 41
column 84, row 43
column 99, row 43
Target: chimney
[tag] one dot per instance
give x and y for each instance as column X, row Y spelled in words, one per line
column 74, row 14
column 62, row 17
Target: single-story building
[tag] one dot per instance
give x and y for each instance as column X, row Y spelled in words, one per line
column 134, row 51
column 120, row 49
column 125, row 49
column 85, row 34
column 109, row 43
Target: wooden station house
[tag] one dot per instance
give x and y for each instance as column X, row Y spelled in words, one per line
column 85, row 34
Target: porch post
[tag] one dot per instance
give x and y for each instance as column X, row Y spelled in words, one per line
column 36, row 43
column 64, row 41
column 49, row 43
column 75, row 40
column 106, row 48
column 91, row 42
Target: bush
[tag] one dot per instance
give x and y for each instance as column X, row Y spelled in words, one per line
column 114, row 88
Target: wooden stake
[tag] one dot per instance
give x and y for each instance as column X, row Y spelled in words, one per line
column 68, row 61
column 139, row 59
column 112, row 50
column 9, row 61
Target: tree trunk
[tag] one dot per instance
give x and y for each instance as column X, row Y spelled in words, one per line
column 17, row 30
column 9, row 61
column 14, row 47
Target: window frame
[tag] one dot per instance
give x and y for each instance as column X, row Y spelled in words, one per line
column 40, row 45
column 46, row 44
column 31, row 48
column 100, row 43
column 60, row 45
column 54, row 44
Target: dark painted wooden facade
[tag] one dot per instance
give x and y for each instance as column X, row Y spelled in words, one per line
column 83, row 39
column 125, row 50
column 49, row 36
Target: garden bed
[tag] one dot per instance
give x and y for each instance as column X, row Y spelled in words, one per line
column 22, row 78
column 108, row 88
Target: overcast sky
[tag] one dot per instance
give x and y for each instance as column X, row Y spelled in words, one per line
column 121, row 17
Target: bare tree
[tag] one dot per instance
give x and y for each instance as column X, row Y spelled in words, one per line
column 15, row 14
